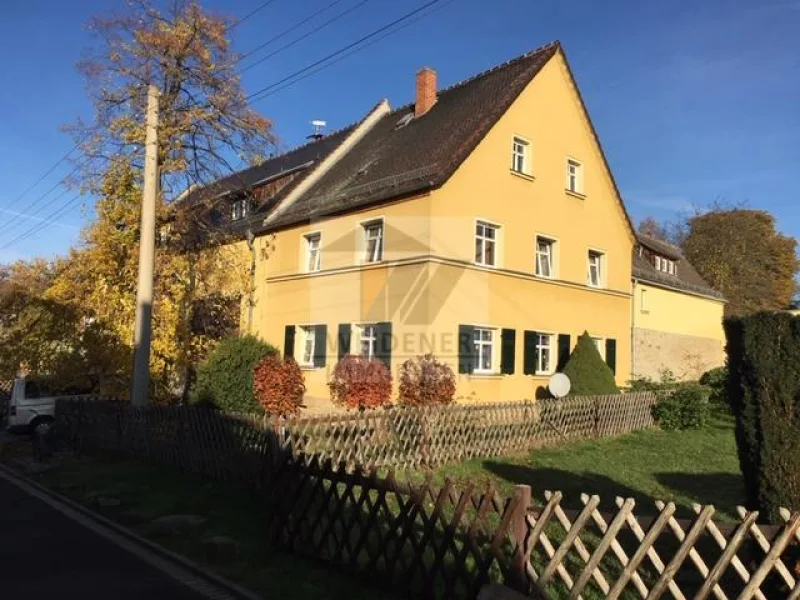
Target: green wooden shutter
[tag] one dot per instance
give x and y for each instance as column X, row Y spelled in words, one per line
column 320, row 345
column 529, row 353
column 563, row 350
column 345, row 333
column 611, row 354
column 288, row 342
column 508, row 339
column 466, row 348
column 383, row 349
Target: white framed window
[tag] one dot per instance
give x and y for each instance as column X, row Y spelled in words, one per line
column 600, row 344
column 544, row 353
column 307, row 345
column 239, row 209
column 484, row 339
column 545, row 256
column 574, row 176
column 486, row 237
column 521, row 155
column 596, row 268
column 373, row 241
column 368, row 340
column 665, row 265
column 313, row 255
column 657, row 262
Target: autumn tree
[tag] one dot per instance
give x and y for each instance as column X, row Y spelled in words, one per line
column 740, row 253
column 652, row 228
column 204, row 122
column 204, row 125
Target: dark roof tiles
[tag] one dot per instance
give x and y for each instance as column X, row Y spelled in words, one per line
column 395, row 159
column 686, row 278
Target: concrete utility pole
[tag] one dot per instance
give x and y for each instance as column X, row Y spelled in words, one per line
column 147, row 243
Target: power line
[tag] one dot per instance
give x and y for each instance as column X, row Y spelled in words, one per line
column 304, row 36
column 48, row 220
column 353, row 51
column 41, row 198
column 294, row 27
column 44, row 175
column 307, row 71
column 241, row 20
column 253, row 97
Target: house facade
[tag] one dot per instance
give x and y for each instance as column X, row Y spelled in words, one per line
column 481, row 223
column 676, row 318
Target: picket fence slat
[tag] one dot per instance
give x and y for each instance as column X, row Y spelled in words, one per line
column 442, row 541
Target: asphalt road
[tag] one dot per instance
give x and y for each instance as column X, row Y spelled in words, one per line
column 46, row 555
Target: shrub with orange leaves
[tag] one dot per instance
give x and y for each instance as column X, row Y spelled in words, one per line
column 358, row 382
column 424, row 381
column 279, row 385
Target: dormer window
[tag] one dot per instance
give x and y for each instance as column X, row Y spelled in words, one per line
column 239, row 209
column 665, row 265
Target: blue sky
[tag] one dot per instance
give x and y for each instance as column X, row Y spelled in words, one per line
column 693, row 101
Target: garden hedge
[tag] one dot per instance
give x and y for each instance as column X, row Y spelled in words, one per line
column 225, row 378
column 764, row 393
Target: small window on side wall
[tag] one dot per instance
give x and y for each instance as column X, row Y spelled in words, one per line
column 486, row 244
column 545, row 257
column 574, row 176
column 520, row 156
column 313, row 258
column 596, row 273
column 373, row 241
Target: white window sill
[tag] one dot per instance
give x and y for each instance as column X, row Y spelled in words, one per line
column 543, row 374
column 596, row 287
column 485, row 375
column 521, row 175
column 575, row 194
column 485, row 266
column 309, row 368
column 547, row 277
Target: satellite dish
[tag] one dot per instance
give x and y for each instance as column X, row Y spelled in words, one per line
column 559, row 385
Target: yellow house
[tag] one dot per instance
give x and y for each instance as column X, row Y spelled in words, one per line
column 676, row 317
column 481, row 223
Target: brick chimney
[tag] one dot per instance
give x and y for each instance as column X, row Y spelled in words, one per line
column 426, row 91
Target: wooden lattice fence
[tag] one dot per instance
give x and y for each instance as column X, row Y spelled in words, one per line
column 5, row 397
column 439, row 541
column 410, row 437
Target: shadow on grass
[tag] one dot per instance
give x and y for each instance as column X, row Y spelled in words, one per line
column 571, row 484
column 724, row 490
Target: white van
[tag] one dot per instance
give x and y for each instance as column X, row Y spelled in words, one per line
column 31, row 407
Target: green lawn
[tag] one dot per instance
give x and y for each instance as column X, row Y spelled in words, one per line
column 682, row 466
column 146, row 492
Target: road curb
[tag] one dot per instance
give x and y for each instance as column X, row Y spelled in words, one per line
column 201, row 579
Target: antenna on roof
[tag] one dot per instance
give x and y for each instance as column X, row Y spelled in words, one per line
column 318, row 127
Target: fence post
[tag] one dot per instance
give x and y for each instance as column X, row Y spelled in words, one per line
column 518, row 578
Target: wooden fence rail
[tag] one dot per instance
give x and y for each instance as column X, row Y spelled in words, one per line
column 445, row 542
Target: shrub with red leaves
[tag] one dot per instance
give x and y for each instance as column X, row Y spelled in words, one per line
column 424, row 381
column 358, row 382
column 279, row 385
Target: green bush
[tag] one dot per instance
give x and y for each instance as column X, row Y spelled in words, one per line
column 764, row 394
column 587, row 371
column 716, row 380
column 686, row 407
column 225, row 378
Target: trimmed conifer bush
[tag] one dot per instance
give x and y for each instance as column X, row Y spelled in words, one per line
column 225, row 378
column 587, row 371
column 764, row 393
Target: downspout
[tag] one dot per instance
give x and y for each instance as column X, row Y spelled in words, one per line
column 633, row 329
column 251, row 287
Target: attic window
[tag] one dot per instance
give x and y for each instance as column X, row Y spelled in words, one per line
column 404, row 120
column 665, row 265
column 239, row 209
